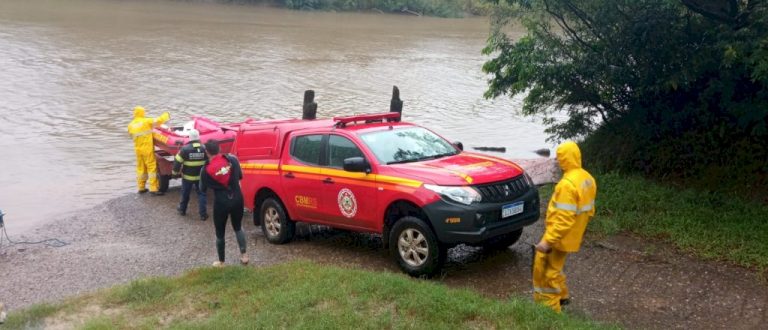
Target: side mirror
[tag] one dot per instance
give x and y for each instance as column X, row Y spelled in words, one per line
column 356, row 164
column 459, row 145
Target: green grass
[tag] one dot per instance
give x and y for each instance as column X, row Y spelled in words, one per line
column 293, row 295
column 709, row 225
column 29, row 317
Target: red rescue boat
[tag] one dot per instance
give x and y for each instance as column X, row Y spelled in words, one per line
column 169, row 140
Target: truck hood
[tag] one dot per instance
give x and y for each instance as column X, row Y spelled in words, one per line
column 463, row 169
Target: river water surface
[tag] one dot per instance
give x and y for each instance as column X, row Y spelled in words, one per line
column 71, row 71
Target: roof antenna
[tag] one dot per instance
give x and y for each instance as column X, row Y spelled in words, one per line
column 309, row 109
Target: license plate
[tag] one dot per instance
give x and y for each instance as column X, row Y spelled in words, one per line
column 512, row 209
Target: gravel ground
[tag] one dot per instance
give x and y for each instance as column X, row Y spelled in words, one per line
column 622, row 279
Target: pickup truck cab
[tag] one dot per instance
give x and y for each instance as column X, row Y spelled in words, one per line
column 374, row 173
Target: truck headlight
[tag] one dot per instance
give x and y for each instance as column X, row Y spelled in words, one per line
column 463, row 195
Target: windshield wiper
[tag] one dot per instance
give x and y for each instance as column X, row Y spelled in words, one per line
column 438, row 156
column 422, row 158
column 403, row 161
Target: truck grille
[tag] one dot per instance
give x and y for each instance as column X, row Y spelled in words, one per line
column 503, row 191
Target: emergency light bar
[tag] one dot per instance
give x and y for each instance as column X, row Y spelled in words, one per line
column 371, row 118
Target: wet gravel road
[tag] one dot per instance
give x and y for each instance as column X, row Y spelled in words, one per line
column 621, row 279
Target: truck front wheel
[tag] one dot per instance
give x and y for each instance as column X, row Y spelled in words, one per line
column 275, row 225
column 415, row 248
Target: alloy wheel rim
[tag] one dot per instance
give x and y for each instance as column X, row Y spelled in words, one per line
column 272, row 221
column 413, row 247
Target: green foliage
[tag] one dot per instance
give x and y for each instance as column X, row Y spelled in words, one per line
column 665, row 87
column 709, row 225
column 304, row 295
column 440, row 8
column 715, row 157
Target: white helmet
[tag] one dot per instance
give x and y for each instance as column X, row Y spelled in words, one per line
column 194, row 135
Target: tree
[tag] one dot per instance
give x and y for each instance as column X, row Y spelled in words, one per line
column 668, row 84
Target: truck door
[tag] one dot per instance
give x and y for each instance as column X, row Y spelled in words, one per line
column 302, row 182
column 349, row 198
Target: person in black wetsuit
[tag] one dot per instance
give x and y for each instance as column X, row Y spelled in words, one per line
column 222, row 173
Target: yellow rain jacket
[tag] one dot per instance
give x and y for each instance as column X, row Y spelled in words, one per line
column 569, row 211
column 140, row 129
column 573, row 202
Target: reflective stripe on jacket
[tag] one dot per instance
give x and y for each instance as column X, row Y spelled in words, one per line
column 190, row 160
column 573, row 202
column 140, row 130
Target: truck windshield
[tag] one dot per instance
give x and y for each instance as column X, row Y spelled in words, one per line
column 404, row 145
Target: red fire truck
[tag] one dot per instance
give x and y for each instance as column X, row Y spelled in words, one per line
column 374, row 173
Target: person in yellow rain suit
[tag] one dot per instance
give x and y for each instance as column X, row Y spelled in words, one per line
column 140, row 130
column 570, row 209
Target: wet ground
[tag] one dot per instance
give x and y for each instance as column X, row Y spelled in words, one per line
column 621, row 279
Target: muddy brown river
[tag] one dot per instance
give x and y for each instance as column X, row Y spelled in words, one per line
column 73, row 70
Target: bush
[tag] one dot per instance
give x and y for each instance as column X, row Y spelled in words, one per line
column 670, row 88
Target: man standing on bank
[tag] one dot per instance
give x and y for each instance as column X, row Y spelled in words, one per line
column 570, row 209
column 223, row 175
column 188, row 163
column 140, row 130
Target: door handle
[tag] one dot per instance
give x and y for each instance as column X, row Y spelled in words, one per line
column 328, row 180
column 289, row 175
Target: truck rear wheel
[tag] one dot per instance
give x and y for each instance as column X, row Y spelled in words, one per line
column 275, row 225
column 415, row 248
column 501, row 242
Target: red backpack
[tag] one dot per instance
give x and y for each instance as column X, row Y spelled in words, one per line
column 219, row 169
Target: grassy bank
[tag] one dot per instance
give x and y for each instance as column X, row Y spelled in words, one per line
column 709, row 225
column 291, row 295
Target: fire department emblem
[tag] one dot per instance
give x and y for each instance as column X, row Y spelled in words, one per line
column 347, row 203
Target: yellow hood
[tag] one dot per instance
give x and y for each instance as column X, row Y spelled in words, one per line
column 569, row 156
column 138, row 112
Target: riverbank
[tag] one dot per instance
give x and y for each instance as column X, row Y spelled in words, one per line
column 136, row 236
column 437, row 8
column 227, row 63
column 295, row 295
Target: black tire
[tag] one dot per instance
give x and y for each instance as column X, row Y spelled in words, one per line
column 501, row 242
column 275, row 224
column 424, row 262
column 165, row 181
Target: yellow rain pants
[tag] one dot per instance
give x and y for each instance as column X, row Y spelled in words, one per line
column 568, row 213
column 548, row 279
column 140, row 130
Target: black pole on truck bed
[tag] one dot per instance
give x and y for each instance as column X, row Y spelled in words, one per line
column 309, row 109
column 396, row 105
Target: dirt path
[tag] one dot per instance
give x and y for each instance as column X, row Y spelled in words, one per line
column 626, row 280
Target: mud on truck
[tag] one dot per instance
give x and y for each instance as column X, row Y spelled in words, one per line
column 374, row 173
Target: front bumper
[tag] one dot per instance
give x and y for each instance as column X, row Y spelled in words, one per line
column 456, row 223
